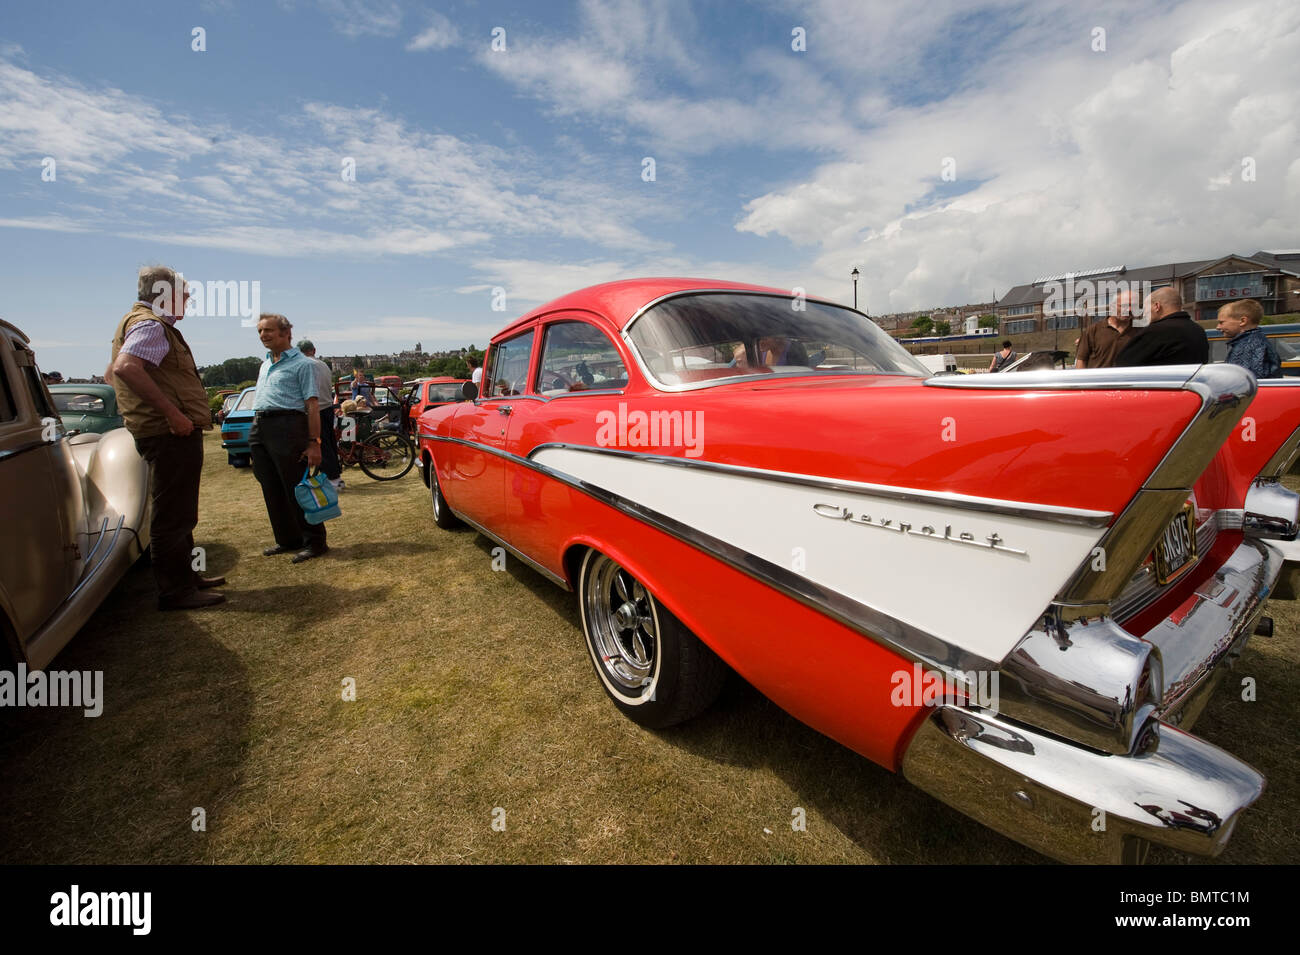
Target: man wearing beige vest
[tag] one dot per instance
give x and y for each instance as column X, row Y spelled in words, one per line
column 165, row 407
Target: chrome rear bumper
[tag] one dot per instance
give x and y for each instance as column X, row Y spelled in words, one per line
column 1085, row 761
column 1075, row 804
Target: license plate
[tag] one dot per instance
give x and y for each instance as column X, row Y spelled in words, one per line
column 1176, row 549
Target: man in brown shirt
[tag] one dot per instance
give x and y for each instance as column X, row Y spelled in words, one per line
column 1100, row 344
column 165, row 407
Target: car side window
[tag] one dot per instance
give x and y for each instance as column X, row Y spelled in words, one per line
column 509, row 372
column 7, row 410
column 578, row 357
column 41, row 400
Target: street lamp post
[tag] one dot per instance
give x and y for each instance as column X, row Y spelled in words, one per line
column 855, row 274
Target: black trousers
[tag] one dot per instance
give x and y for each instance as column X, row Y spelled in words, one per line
column 329, row 447
column 175, row 465
column 277, row 444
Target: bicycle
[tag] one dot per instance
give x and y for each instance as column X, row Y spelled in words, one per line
column 380, row 449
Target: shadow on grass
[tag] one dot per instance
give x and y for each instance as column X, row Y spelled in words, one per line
column 123, row 786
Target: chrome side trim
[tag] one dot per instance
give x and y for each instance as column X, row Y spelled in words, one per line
column 1174, row 790
column 1153, row 378
column 585, row 394
column 94, row 571
column 29, row 446
column 1042, row 512
column 553, row 578
column 1284, row 458
column 907, row 640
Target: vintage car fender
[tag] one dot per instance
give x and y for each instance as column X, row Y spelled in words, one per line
column 115, row 492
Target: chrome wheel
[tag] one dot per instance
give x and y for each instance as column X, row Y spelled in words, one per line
column 442, row 515
column 623, row 630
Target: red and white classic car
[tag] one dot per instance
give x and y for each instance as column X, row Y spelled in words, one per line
column 1017, row 590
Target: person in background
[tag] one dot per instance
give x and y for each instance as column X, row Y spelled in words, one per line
column 1172, row 338
column 286, row 429
column 329, row 449
column 360, row 387
column 1102, row 342
column 475, row 369
column 165, row 407
column 1248, row 346
column 1003, row 357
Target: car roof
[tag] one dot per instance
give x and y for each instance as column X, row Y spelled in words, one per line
column 83, row 388
column 618, row 301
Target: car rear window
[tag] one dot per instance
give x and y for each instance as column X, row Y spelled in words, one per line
column 709, row 337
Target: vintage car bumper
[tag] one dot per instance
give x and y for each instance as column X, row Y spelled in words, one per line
column 1091, row 803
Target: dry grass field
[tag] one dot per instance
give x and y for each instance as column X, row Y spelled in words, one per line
column 473, row 692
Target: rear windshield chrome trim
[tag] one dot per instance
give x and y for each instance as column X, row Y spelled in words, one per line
column 653, row 379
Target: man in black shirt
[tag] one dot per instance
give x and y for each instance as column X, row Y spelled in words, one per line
column 1172, row 338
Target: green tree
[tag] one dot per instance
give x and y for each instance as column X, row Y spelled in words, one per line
column 988, row 321
column 922, row 325
column 943, row 328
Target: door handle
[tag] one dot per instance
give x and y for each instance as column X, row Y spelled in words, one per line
column 504, row 409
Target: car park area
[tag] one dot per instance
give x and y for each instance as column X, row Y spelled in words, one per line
column 472, row 695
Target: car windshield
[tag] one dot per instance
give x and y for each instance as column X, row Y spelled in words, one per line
column 78, row 403
column 246, row 402
column 449, row 392
column 711, row 337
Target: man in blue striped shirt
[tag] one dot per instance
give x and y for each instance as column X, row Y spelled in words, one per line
column 285, row 431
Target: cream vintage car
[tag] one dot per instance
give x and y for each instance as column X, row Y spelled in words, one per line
column 76, row 512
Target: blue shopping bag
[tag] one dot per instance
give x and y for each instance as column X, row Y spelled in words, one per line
column 317, row 497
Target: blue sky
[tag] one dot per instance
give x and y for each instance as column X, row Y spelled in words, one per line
column 522, row 168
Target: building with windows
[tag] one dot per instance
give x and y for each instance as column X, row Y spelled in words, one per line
column 1072, row 299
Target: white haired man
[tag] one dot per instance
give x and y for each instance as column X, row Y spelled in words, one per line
column 165, row 407
column 286, row 429
column 325, row 397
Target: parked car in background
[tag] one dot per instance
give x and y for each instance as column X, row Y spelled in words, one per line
column 86, row 408
column 1285, row 338
column 772, row 486
column 228, row 398
column 76, row 511
column 235, row 428
column 430, row 393
column 228, row 405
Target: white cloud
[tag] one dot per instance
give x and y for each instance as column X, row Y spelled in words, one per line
column 355, row 18
column 282, row 193
column 440, row 34
column 1132, row 156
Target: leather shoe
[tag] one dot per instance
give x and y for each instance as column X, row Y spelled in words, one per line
column 203, row 583
column 307, row 554
column 193, row 601
column 277, row 549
